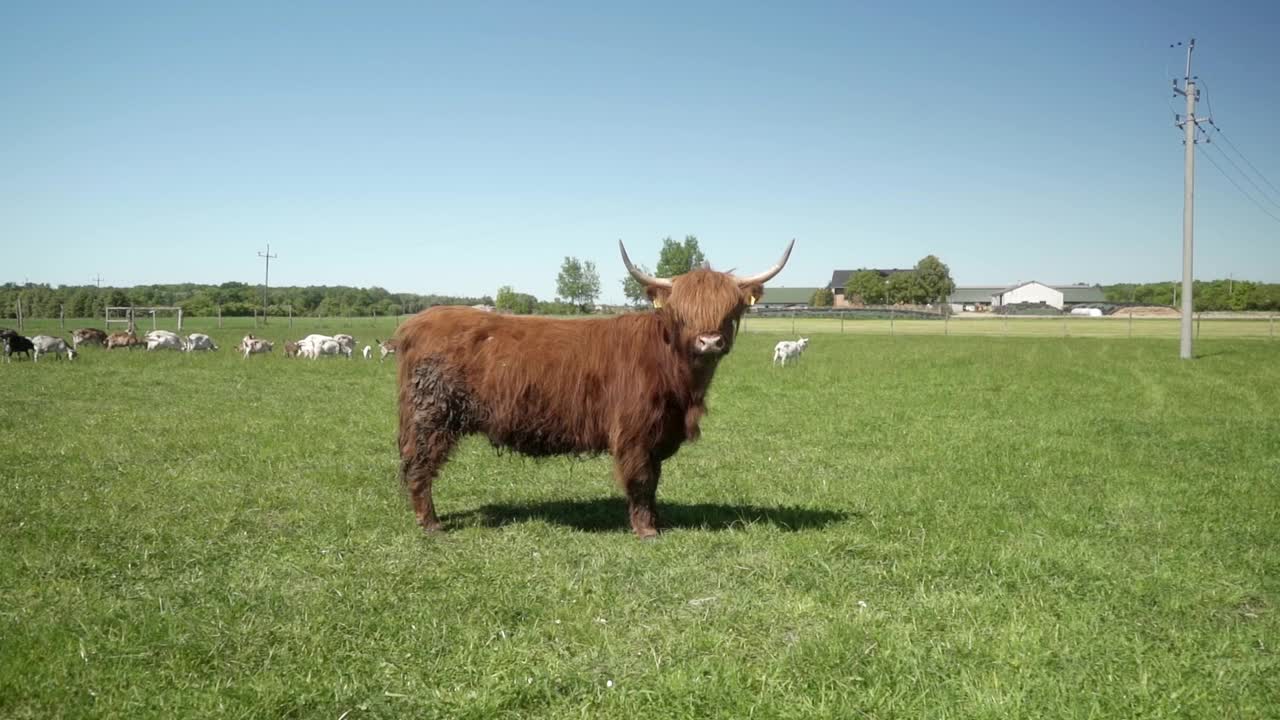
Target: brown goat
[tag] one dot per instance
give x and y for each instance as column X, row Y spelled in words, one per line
column 88, row 336
column 633, row 386
column 128, row 339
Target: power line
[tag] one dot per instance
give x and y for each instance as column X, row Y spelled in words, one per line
column 1263, row 193
column 1237, row 185
column 1243, row 157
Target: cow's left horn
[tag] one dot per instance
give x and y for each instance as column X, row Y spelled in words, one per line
column 640, row 275
column 767, row 275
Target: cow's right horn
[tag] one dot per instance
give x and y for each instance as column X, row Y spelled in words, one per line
column 640, row 275
column 767, row 275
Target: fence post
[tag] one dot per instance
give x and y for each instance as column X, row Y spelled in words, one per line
column 946, row 325
column 1199, row 316
column 1273, row 325
column 290, row 317
column 219, row 316
column 62, row 317
column 19, row 313
column 891, row 313
column 1130, row 324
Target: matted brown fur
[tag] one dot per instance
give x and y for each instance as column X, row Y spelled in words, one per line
column 631, row 386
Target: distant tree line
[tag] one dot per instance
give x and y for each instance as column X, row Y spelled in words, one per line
column 234, row 298
column 1205, row 295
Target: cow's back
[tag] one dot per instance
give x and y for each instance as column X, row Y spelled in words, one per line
column 539, row 385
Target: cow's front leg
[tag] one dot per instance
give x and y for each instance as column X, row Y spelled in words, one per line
column 638, row 475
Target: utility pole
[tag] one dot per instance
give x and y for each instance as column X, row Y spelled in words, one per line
column 98, row 280
column 266, row 279
column 1189, row 126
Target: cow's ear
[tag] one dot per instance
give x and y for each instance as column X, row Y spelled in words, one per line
column 751, row 294
column 658, row 294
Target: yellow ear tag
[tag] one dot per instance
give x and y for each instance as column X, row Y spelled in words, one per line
column 751, row 299
column 657, row 303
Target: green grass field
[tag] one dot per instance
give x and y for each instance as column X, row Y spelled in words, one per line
column 910, row 527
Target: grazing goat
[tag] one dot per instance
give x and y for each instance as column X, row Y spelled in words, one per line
column 128, row 339
column 789, row 350
column 164, row 340
column 15, row 343
column 386, row 347
column 255, row 346
column 199, row 341
column 88, row 336
column 45, row 344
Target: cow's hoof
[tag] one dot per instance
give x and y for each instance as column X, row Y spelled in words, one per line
column 648, row 534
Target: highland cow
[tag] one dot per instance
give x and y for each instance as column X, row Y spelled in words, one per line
column 633, row 386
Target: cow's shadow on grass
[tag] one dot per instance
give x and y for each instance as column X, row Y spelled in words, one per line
column 610, row 515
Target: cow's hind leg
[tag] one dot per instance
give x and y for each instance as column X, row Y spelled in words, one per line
column 638, row 474
column 419, row 465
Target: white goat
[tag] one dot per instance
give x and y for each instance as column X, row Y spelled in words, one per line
column 45, row 344
column 789, row 350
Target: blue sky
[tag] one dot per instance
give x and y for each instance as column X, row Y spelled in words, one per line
column 430, row 148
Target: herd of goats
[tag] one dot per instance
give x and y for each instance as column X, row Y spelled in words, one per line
column 312, row 346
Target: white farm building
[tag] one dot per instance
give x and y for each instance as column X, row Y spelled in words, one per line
column 974, row 297
column 1028, row 292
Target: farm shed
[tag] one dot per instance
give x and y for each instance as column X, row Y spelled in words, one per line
column 776, row 298
column 1076, row 294
column 971, row 298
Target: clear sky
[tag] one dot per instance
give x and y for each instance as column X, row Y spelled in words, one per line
column 430, row 148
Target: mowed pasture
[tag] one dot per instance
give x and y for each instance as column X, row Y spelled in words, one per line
column 906, row 526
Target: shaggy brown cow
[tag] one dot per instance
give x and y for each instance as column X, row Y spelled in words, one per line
column 633, row 386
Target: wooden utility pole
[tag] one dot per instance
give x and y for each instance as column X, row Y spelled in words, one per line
column 266, row 280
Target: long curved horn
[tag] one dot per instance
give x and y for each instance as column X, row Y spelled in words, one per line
column 765, row 276
column 640, row 275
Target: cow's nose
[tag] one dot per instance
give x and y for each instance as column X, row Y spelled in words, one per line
column 709, row 343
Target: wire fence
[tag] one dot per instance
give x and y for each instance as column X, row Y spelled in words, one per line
column 790, row 324
column 1121, row 325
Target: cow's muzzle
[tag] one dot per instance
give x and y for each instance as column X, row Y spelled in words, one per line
column 709, row 344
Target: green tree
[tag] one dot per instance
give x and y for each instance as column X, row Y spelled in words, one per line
column 902, row 288
column 678, row 258
column 634, row 289
column 933, row 280
column 578, row 283
column 867, row 285
column 508, row 300
column 823, row 297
